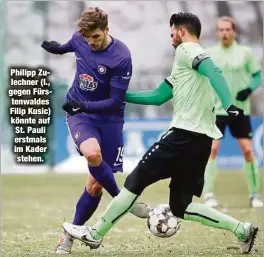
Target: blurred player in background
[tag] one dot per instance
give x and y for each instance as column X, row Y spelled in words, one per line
column 183, row 151
column 95, row 110
column 243, row 74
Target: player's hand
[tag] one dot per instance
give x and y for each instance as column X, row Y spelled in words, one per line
column 234, row 111
column 73, row 107
column 51, row 46
column 243, row 94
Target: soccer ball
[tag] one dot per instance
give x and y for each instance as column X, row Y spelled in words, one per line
column 161, row 222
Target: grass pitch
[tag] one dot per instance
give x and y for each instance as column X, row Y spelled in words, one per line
column 34, row 206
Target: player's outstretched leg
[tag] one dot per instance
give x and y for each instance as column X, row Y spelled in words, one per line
column 93, row 236
column 135, row 183
column 140, row 210
column 245, row 232
column 103, row 176
column 85, row 207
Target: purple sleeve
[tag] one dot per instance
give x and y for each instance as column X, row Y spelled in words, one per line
column 118, row 87
column 69, row 46
column 66, row 48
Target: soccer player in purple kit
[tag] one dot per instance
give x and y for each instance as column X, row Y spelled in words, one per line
column 95, row 110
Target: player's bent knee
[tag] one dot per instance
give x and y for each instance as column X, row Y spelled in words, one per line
column 94, row 158
column 91, row 150
column 247, row 150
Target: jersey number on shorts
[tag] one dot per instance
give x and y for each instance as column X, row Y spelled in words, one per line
column 120, row 154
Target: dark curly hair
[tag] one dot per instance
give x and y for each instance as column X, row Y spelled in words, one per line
column 190, row 21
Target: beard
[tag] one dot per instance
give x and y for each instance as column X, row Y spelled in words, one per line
column 226, row 41
column 177, row 41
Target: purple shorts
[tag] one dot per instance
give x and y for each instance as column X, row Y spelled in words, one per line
column 108, row 134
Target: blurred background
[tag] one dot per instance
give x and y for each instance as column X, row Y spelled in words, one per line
column 33, row 206
column 144, row 27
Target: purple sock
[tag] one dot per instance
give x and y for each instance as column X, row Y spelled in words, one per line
column 85, row 207
column 104, row 175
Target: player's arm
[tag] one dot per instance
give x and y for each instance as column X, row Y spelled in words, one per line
column 118, row 87
column 110, row 105
column 253, row 68
column 55, row 47
column 256, row 80
column 205, row 66
column 157, row 96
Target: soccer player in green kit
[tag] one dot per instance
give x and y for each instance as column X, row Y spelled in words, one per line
column 242, row 71
column 183, row 151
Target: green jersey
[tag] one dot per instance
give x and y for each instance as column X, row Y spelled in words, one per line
column 193, row 96
column 238, row 65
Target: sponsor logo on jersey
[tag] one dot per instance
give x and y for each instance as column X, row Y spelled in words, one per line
column 87, row 82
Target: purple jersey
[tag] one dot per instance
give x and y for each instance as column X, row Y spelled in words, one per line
column 101, row 79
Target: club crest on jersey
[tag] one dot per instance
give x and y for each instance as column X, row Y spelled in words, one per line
column 87, row 82
column 101, row 69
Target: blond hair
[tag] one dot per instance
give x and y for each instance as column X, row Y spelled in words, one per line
column 91, row 19
column 229, row 19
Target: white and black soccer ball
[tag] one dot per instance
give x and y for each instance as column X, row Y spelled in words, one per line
column 161, row 222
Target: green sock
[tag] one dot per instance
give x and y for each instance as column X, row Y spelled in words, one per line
column 252, row 175
column 118, row 207
column 210, row 176
column 213, row 218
